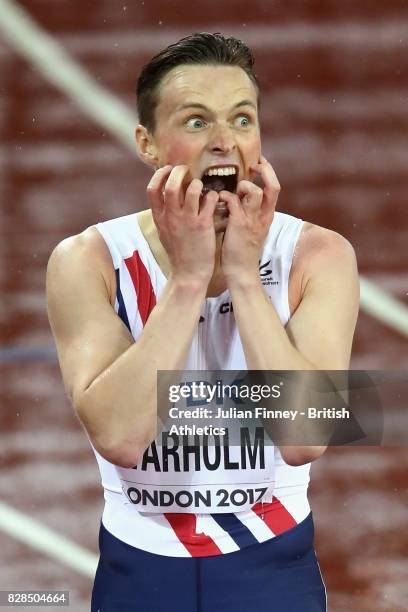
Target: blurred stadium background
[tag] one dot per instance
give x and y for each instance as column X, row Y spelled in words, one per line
column 334, row 117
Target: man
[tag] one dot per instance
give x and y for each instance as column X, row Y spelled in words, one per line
column 210, row 277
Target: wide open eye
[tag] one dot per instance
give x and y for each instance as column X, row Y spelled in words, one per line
column 195, row 123
column 242, row 121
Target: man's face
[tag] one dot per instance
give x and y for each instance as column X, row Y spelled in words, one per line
column 207, row 119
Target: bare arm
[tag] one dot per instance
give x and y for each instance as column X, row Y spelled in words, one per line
column 110, row 379
column 319, row 334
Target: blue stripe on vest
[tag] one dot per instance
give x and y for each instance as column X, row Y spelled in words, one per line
column 241, row 535
column 122, row 308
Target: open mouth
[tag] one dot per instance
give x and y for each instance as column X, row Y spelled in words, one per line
column 219, row 178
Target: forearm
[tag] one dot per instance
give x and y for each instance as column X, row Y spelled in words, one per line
column 268, row 347
column 119, row 408
column 264, row 339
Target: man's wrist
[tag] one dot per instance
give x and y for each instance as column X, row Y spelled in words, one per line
column 188, row 284
column 244, row 282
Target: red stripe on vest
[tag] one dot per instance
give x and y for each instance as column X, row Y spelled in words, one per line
column 146, row 299
column 197, row 544
column 275, row 516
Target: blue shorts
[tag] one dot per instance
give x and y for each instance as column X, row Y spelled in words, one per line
column 280, row 575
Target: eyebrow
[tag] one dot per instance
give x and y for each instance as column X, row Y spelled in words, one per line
column 203, row 107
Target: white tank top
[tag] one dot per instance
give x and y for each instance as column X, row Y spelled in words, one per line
column 185, row 501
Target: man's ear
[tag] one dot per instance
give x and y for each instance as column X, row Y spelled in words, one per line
column 146, row 149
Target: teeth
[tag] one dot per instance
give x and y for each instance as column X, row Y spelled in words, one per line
column 221, row 171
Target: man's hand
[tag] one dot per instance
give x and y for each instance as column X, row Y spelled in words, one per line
column 251, row 212
column 184, row 222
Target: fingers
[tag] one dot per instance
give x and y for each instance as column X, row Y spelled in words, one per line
column 155, row 188
column 165, row 192
column 271, row 186
column 232, row 200
column 250, row 194
column 265, row 170
column 269, row 176
column 208, row 204
column 192, row 199
column 173, row 190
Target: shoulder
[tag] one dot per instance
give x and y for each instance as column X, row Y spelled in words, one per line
column 316, row 241
column 86, row 251
column 80, row 247
column 319, row 249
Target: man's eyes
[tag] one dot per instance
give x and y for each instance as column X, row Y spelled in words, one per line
column 197, row 123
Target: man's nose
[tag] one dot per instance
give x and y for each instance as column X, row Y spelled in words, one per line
column 221, row 139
